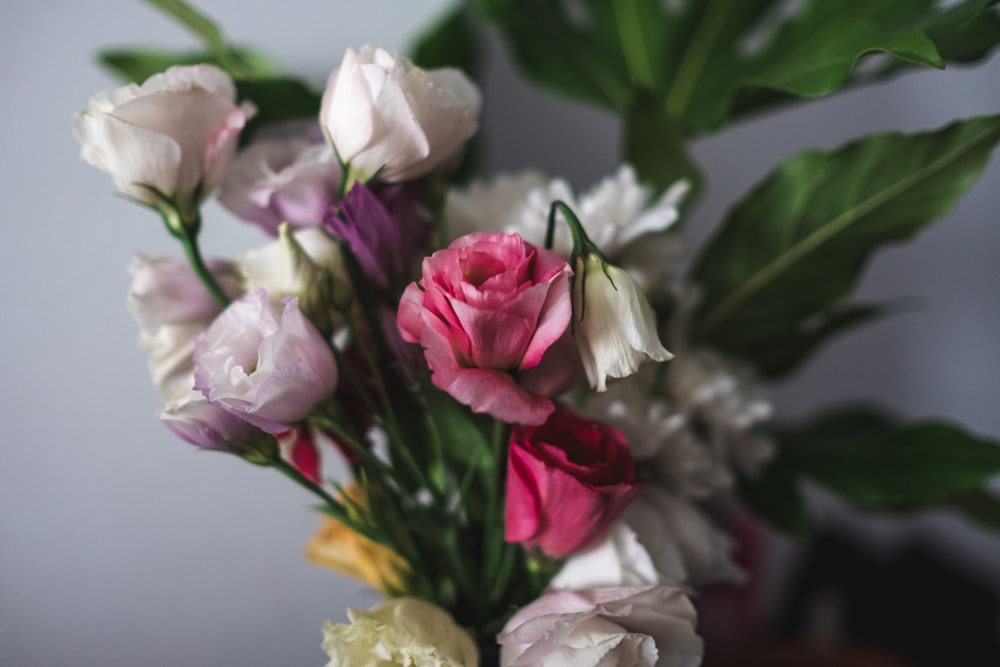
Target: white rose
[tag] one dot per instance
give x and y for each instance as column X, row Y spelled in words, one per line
column 402, row 631
column 603, row 627
column 168, row 141
column 383, row 114
column 615, row 327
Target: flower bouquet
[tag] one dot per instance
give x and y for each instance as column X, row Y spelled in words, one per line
column 548, row 409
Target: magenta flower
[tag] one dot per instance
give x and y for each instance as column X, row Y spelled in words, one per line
column 385, row 228
column 567, row 482
column 486, row 310
column 263, row 363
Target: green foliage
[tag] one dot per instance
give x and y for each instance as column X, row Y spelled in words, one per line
column 708, row 59
column 452, row 41
column 871, row 460
column 788, row 254
column 208, row 33
column 137, row 65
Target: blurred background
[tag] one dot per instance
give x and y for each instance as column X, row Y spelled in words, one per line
column 121, row 545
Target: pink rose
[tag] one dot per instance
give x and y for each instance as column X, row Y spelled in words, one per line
column 486, row 310
column 567, row 482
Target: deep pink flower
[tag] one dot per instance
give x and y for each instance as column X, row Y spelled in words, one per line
column 486, row 310
column 567, row 482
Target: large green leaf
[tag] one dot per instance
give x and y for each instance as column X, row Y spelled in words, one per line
column 137, row 65
column 870, row 459
column 653, row 144
column 796, row 245
column 911, row 465
column 208, row 33
column 278, row 99
column 706, row 59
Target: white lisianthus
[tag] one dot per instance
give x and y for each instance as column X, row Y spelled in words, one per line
column 387, row 116
column 168, row 142
column 651, row 626
column 619, row 560
column 684, row 544
column 264, row 363
column 402, row 631
column 172, row 307
column 614, row 325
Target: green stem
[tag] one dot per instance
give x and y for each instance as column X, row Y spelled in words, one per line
column 633, row 42
column 189, row 239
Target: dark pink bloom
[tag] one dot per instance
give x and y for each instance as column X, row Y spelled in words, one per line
column 567, row 482
column 486, row 310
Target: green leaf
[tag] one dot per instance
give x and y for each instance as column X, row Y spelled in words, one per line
column 653, row 144
column 578, row 59
column 712, row 59
column 208, row 32
column 794, row 247
column 452, row 41
column 980, row 506
column 775, row 497
column 924, row 463
column 781, row 354
column 137, row 65
column 278, row 99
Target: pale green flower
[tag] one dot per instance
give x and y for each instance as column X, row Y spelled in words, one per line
column 402, row 631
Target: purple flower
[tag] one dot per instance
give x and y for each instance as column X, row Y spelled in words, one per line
column 385, row 228
column 283, row 177
column 195, row 420
column 263, row 363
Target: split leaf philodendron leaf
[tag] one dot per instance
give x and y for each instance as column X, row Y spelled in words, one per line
column 794, row 247
column 868, row 458
column 711, row 60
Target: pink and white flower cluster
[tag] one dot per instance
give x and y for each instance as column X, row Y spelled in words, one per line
column 362, row 317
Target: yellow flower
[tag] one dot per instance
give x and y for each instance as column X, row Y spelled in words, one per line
column 342, row 549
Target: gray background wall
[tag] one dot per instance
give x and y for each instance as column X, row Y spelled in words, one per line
column 120, row 545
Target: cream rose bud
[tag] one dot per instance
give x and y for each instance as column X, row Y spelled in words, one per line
column 383, row 114
column 640, row 626
column 614, row 325
column 172, row 137
column 402, row 631
column 264, row 363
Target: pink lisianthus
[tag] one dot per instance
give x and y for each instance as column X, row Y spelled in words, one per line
column 486, row 311
column 567, row 482
column 641, row 626
column 263, row 363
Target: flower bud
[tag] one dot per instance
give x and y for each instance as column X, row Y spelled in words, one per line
column 299, row 264
column 384, row 115
column 614, row 325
